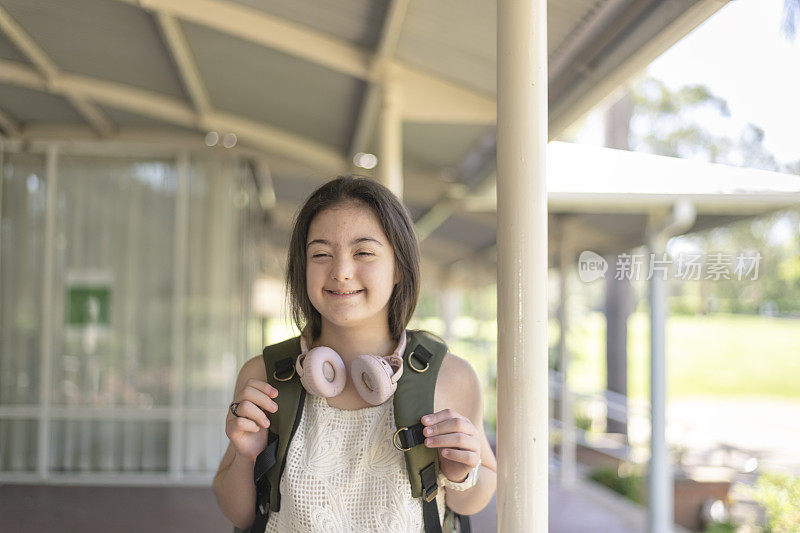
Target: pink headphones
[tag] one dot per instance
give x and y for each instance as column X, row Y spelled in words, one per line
column 322, row 372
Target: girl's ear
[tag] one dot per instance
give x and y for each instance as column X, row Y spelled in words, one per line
column 396, row 276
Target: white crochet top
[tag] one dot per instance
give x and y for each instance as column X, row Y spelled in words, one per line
column 343, row 474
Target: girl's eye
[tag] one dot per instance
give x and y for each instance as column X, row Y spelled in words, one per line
column 326, row 255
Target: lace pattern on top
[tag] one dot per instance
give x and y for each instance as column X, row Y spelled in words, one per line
column 343, row 474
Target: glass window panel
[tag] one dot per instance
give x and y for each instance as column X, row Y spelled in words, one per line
column 22, row 231
column 204, row 445
column 221, row 197
column 19, row 439
column 109, row 446
column 114, row 281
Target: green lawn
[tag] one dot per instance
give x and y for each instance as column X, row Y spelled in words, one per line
column 714, row 355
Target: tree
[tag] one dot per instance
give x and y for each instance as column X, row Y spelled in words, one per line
column 692, row 122
column 791, row 18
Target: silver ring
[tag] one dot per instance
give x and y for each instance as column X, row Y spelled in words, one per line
column 233, row 408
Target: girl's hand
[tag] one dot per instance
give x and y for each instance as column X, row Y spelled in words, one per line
column 457, row 440
column 248, row 431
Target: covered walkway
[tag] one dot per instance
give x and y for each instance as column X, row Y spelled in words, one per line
column 189, row 132
column 92, row 509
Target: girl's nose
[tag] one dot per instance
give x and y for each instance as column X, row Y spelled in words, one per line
column 342, row 269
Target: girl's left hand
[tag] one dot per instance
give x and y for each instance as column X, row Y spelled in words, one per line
column 457, row 441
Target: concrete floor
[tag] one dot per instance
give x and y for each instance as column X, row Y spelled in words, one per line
column 90, row 509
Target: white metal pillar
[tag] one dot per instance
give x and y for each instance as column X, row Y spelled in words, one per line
column 46, row 361
column 568, row 454
column 522, row 369
column 390, row 164
column 660, row 482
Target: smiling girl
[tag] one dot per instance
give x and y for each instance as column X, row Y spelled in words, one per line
column 353, row 283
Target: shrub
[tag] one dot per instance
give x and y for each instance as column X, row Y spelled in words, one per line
column 779, row 495
column 627, row 484
column 722, row 527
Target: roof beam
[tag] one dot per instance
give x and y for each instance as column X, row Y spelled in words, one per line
column 179, row 48
column 177, row 112
column 267, row 30
column 390, row 35
column 430, row 99
column 49, row 72
column 427, row 98
column 9, row 125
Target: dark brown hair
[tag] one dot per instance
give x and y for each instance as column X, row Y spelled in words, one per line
column 398, row 227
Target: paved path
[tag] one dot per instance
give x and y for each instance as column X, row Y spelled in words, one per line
column 81, row 509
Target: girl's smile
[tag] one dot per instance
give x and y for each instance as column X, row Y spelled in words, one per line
column 343, row 294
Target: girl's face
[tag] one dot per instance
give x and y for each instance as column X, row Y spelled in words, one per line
column 347, row 252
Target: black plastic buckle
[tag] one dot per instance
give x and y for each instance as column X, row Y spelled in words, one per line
column 430, row 488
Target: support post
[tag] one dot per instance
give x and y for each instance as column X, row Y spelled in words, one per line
column 46, row 361
column 2, row 178
column 390, row 164
column 618, row 292
column 450, row 298
column 617, row 309
column 660, row 478
column 568, row 454
column 660, row 482
column 177, row 383
column 522, row 362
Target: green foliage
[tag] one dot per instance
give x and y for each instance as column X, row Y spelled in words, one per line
column 583, row 421
column 722, row 527
column 687, row 122
column 779, row 495
column 628, row 484
column 791, row 19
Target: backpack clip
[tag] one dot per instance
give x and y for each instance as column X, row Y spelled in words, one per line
column 421, row 354
column 411, row 438
column 283, row 367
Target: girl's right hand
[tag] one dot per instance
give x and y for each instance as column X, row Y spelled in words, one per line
column 248, row 431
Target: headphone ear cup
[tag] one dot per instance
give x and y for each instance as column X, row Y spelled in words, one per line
column 324, row 373
column 372, row 378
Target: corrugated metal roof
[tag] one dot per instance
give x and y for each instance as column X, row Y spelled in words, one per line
column 266, row 85
column 458, row 39
column 309, row 93
column 106, row 40
column 455, row 39
column 564, row 17
column 356, row 21
column 437, row 146
column 28, row 106
column 125, row 119
column 8, row 51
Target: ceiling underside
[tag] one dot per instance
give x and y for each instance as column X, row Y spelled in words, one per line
column 292, row 78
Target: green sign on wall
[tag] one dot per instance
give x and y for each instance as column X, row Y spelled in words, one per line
column 88, row 305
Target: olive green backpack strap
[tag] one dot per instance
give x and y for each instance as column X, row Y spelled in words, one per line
column 412, row 400
column 279, row 362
